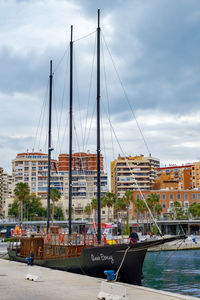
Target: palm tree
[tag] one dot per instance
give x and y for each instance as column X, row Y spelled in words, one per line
column 140, row 208
column 54, row 196
column 120, row 205
column 128, row 198
column 110, row 200
column 21, row 192
column 88, row 210
column 94, row 205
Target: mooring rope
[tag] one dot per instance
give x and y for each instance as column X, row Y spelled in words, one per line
column 116, row 274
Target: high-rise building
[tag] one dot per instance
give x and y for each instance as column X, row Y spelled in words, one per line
column 133, row 172
column 1, row 192
column 176, row 178
column 81, row 161
column 32, row 168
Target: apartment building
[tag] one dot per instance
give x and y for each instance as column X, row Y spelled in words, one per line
column 176, row 177
column 168, row 197
column 32, row 168
column 80, row 161
column 7, row 193
column 1, row 192
column 133, row 172
column 84, row 189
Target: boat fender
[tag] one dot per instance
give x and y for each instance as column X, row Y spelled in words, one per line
column 61, row 238
column 48, row 238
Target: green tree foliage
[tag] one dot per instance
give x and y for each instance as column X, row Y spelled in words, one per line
column 14, row 209
column 54, row 196
column 88, row 210
column 94, row 204
column 110, row 200
column 127, row 227
column 32, row 208
column 58, row 213
column 178, row 211
column 194, row 209
column 21, row 192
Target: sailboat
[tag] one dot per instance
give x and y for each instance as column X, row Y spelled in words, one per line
column 83, row 254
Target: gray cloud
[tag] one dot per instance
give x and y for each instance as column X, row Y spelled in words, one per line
column 155, row 46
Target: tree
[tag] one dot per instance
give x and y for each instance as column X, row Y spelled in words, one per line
column 54, row 196
column 21, row 192
column 178, row 211
column 32, row 208
column 140, row 208
column 110, row 200
column 153, row 204
column 14, row 209
column 94, row 205
column 120, row 205
column 88, row 210
column 58, row 213
column 194, row 209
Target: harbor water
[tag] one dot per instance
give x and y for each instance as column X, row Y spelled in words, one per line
column 173, row 271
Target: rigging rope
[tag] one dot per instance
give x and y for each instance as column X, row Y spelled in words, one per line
column 126, row 97
column 138, row 188
column 89, row 94
column 83, row 37
column 41, row 117
column 80, row 118
column 108, row 100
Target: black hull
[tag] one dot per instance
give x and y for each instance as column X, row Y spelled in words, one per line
column 95, row 260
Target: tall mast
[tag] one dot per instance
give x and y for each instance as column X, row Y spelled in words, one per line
column 49, row 145
column 98, row 134
column 70, row 132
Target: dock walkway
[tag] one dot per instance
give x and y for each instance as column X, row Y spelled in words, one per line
column 58, row 285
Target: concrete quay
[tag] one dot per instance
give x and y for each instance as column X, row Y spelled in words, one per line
column 58, row 285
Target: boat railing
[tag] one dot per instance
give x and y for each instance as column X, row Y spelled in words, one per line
column 83, row 239
column 73, row 239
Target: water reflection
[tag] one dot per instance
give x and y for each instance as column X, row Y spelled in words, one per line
column 177, row 271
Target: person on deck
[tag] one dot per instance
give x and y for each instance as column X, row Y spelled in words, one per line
column 134, row 238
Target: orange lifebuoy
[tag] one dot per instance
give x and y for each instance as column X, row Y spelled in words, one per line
column 48, row 238
column 61, row 238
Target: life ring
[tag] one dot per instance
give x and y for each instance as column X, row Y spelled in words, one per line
column 12, row 231
column 48, row 238
column 61, row 238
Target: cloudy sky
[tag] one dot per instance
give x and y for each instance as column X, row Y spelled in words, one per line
column 150, row 67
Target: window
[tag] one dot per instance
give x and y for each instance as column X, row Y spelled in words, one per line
column 103, row 212
column 178, row 196
column 198, row 196
column 185, row 196
column 171, row 196
column 193, row 196
column 186, row 204
column 164, row 205
column 164, row 196
column 138, row 196
column 171, row 204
